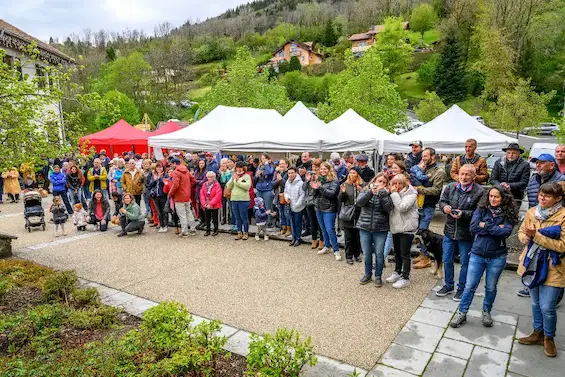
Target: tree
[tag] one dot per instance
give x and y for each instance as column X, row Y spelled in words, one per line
column 244, row 87
column 330, row 36
column 124, row 109
column 427, row 71
column 294, row 64
column 395, row 53
column 365, row 87
column 449, row 80
column 430, row 107
column 423, row 19
column 519, row 107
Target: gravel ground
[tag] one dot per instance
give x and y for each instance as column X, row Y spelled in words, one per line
column 252, row 285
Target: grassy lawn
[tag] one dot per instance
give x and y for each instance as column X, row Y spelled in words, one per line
column 429, row 36
column 197, row 93
column 409, row 87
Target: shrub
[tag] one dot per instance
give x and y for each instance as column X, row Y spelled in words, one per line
column 98, row 317
column 23, row 273
column 168, row 325
column 60, row 286
column 427, row 71
column 281, row 355
column 5, row 286
column 86, row 297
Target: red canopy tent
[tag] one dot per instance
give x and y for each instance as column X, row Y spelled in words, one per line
column 121, row 137
column 166, row 129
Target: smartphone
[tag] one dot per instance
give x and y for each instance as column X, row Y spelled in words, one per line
column 456, row 212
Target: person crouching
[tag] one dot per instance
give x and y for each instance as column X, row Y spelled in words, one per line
column 98, row 211
column 131, row 219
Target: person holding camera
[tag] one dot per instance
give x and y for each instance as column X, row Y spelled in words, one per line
column 458, row 201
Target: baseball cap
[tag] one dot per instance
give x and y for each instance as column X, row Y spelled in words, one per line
column 209, row 154
column 416, row 142
column 546, row 157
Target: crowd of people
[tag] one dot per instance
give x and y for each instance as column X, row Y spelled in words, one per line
column 377, row 212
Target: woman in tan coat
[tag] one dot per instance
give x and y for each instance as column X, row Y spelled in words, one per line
column 12, row 184
column 549, row 212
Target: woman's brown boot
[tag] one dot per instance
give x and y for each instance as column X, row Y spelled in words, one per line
column 320, row 244
column 288, row 232
column 245, row 236
column 534, row 338
column 283, row 230
column 549, row 347
column 239, row 236
column 314, row 244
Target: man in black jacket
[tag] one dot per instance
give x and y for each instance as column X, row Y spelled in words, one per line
column 365, row 172
column 415, row 156
column 458, row 201
column 512, row 172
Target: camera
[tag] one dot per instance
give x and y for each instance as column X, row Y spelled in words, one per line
column 456, row 212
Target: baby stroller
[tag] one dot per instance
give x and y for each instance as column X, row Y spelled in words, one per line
column 33, row 211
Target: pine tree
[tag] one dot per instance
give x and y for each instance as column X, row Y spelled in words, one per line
column 330, row 36
column 450, row 78
column 294, row 64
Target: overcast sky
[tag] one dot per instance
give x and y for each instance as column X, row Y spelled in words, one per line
column 59, row 18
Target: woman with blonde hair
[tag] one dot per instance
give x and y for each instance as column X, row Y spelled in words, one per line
column 403, row 226
column 326, row 191
column 349, row 191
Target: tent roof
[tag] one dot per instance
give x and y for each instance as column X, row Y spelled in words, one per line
column 121, row 133
column 448, row 132
column 352, row 127
column 167, row 128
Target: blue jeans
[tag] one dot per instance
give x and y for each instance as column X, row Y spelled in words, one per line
column 448, row 267
column 240, row 214
column 326, row 220
column 284, row 214
column 232, row 213
column 388, row 244
column 146, row 197
column 426, row 216
column 544, row 299
column 373, row 243
column 75, row 199
column 268, row 197
column 296, row 225
column 478, row 265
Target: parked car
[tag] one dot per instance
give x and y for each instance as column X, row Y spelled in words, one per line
column 550, row 129
column 492, row 159
column 539, row 148
column 408, row 125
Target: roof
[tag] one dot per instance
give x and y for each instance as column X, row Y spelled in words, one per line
column 306, row 45
column 374, row 30
column 7, row 30
column 360, row 37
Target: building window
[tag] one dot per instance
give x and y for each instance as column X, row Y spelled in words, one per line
column 362, row 44
column 8, row 60
column 19, row 68
column 302, row 57
column 41, row 79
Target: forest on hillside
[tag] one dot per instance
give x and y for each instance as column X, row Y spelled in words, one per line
column 484, row 54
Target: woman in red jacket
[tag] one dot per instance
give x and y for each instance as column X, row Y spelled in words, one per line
column 211, row 201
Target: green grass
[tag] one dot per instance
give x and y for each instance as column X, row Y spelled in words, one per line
column 198, row 93
column 430, row 36
column 409, row 87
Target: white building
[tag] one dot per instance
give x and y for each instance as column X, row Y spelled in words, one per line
column 13, row 39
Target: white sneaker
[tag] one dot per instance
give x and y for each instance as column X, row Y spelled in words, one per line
column 160, row 230
column 325, row 250
column 401, row 283
column 256, row 237
column 393, row 278
column 337, row 256
column 266, row 238
column 165, row 229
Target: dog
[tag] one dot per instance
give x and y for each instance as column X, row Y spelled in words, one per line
column 433, row 244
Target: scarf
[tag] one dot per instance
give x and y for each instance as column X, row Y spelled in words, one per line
column 322, row 179
column 495, row 211
column 543, row 214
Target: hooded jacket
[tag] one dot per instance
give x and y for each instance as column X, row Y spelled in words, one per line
column 490, row 240
column 294, row 191
column 259, row 211
column 59, row 181
column 466, row 202
column 181, row 186
column 404, row 213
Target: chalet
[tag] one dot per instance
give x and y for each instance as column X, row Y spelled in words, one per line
column 303, row 50
column 13, row 39
column 363, row 41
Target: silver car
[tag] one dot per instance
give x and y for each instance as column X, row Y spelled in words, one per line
column 549, row 129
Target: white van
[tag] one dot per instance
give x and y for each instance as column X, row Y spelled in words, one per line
column 540, row 148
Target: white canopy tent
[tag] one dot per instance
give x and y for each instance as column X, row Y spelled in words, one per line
column 448, row 132
column 350, row 131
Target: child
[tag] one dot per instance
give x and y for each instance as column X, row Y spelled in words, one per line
column 419, row 178
column 79, row 217
column 261, row 218
column 117, row 199
column 59, row 215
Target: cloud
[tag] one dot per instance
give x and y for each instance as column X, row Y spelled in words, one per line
column 60, row 18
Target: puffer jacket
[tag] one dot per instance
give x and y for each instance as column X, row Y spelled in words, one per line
column 59, row 213
column 264, row 177
column 326, row 196
column 310, row 199
column 535, row 183
column 215, row 198
column 404, row 213
column 181, row 185
column 555, row 274
column 466, row 202
column 59, row 181
column 490, row 240
column 516, row 173
column 375, row 211
column 134, row 184
column 294, row 192
column 348, row 199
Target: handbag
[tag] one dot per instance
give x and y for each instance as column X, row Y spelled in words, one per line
column 282, row 199
column 350, row 213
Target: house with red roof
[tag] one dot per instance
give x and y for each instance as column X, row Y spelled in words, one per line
column 361, row 42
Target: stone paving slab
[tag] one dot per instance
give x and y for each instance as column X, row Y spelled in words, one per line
column 499, row 337
column 530, row 361
column 445, row 366
column 487, row 362
column 384, row 371
column 525, row 328
column 434, row 317
column 455, row 348
column 239, row 343
column 406, row 358
column 497, row 315
column 419, row 336
column 327, row 367
column 440, row 303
